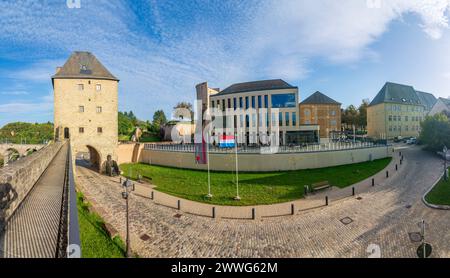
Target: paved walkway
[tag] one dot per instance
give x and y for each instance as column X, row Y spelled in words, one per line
column 33, row 229
column 385, row 215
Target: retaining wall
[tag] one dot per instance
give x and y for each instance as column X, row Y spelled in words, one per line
column 18, row 178
column 265, row 162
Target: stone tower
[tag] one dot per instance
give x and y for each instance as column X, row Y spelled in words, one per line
column 86, row 108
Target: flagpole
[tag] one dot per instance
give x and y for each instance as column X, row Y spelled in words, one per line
column 209, row 196
column 237, row 198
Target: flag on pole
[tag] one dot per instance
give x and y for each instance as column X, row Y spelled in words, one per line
column 227, row 141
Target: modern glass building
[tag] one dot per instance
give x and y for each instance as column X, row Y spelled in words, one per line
column 259, row 112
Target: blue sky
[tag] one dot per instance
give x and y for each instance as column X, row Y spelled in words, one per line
column 160, row 49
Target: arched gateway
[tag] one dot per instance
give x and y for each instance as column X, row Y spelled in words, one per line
column 85, row 108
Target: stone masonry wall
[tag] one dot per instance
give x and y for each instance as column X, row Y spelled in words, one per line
column 17, row 179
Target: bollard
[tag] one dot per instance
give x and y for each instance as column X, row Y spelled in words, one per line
column 326, row 200
column 152, row 196
column 396, row 167
column 373, row 182
column 179, row 205
column 253, row 214
column 292, row 209
column 353, row 191
column 213, row 212
column 387, row 174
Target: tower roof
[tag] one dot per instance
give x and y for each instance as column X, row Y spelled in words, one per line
column 319, row 98
column 83, row 65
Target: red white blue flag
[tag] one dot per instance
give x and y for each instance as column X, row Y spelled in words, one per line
column 227, row 141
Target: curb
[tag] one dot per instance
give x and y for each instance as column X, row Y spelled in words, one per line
column 433, row 206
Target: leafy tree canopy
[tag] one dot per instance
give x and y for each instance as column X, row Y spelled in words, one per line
column 20, row 132
column 435, row 132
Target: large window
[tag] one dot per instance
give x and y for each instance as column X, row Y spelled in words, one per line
column 266, row 101
column 253, row 101
column 246, row 102
column 283, row 100
column 286, row 118
column 280, row 118
column 240, row 102
column 234, row 103
column 294, row 118
column 259, row 102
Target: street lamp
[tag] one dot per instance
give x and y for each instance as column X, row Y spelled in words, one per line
column 128, row 187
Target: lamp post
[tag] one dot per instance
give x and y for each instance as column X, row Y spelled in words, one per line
column 128, row 186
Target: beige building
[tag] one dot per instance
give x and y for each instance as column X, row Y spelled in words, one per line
column 259, row 110
column 86, row 108
column 397, row 110
column 319, row 109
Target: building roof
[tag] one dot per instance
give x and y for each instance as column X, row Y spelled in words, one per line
column 402, row 94
column 445, row 100
column 319, row 98
column 83, row 65
column 427, row 99
column 263, row 85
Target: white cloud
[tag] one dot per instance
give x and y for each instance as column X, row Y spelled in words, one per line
column 269, row 39
column 43, row 104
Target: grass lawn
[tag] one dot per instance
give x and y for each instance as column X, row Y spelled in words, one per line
column 95, row 242
column 254, row 188
column 440, row 194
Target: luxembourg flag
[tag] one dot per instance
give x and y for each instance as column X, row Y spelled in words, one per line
column 227, row 141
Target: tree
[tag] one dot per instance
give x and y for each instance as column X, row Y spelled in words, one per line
column 183, row 110
column 159, row 119
column 125, row 124
column 32, row 133
column 362, row 114
column 435, row 132
column 349, row 117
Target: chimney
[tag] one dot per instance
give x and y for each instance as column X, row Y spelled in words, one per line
column 58, row 69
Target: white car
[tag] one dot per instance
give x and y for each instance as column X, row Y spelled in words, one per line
column 411, row 141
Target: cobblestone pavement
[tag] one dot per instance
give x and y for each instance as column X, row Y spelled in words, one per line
column 384, row 216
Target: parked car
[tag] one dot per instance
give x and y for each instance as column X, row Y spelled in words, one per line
column 411, row 141
column 398, row 139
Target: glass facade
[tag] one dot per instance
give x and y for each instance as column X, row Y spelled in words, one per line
column 283, row 101
column 286, row 118
column 280, row 118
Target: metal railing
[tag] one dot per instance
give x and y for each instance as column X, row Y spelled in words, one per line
column 68, row 245
column 305, row 148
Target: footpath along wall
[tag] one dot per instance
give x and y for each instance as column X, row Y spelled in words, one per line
column 18, row 178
